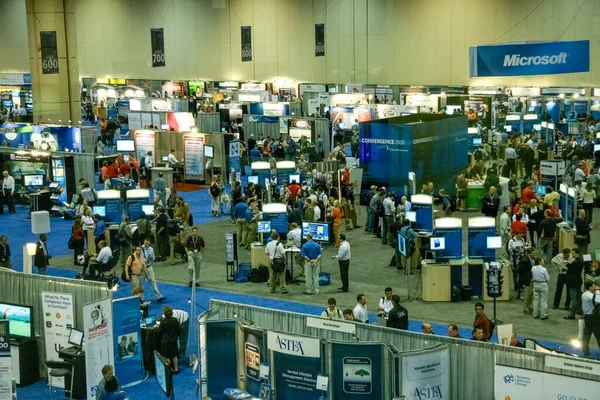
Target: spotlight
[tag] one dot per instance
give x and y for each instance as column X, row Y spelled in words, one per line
column 235, row 315
column 576, row 343
column 561, row 96
column 576, row 96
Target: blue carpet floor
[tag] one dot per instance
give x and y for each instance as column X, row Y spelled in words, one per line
column 19, row 233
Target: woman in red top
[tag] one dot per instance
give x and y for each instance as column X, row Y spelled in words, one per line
column 78, row 239
column 519, row 226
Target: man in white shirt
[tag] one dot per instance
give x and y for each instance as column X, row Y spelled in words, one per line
column 510, row 154
column 579, row 175
column 360, row 310
column 516, row 250
column 589, row 299
column 103, row 257
column 389, row 208
column 274, row 249
column 172, row 159
column 505, row 226
column 8, row 191
column 385, row 303
column 294, row 235
column 332, row 312
column 317, row 210
column 343, row 257
column 561, row 261
column 148, row 253
column 540, row 278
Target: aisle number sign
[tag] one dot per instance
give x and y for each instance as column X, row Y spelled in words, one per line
column 246, row 43
column 49, row 50
column 157, row 38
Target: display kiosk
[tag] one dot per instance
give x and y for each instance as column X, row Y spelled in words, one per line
column 495, row 243
column 479, row 228
column 111, row 200
column 422, row 204
column 552, row 172
column 450, row 230
column 262, row 169
column 136, row 198
column 475, row 192
column 284, row 170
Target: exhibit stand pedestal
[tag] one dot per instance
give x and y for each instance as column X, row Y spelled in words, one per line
column 112, row 237
column 476, row 276
column 167, row 175
column 436, row 281
column 475, row 192
column 507, row 272
column 258, row 256
column 91, row 241
column 25, row 361
column 456, row 273
column 566, row 238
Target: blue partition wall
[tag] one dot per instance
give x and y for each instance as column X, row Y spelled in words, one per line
column 221, row 358
column 433, row 146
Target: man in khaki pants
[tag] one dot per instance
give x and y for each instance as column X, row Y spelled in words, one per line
column 275, row 250
column 251, row 215
column 239, row 214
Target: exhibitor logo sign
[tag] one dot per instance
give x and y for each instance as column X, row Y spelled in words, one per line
column 295, row 345
column 517, row 380
column 516, row 60
column 428, row 392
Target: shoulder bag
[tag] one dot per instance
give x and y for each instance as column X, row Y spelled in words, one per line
column 278, row 263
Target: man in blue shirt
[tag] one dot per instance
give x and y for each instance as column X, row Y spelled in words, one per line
column 255, row 155
column 239, row 213
column 311, row 252
column 99, row 228
column 251, row 225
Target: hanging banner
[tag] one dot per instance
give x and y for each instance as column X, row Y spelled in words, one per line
column 193, row 146
column 255, row 352
column 235, row 163
column 157, row 38
column 426, row 374
column 57, row 309
column 540, row 58
column 145, row 142
column 522, row 384
column 297, row 363
column 319, row 40
column 246, row 43
column 357, row 370
column 98, row 336
column 127, row 343
column 5, row 362
column 49, row 50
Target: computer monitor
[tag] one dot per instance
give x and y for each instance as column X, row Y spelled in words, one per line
column 537, row 127
column 20, row 319
column 150, row 321
column 76, row 337
column 318, row 230
column 148, row 209
column 411, row 216
column 253, row 179
column 541, row 190
column 401, row 244
column 209, row 151
column 165, row 158
column 125, row 145
column 437, row 243
column 596, row 147
column 264, row 226
column 477, row 141
column 587, row 257
column 508, row 128
column 33, row 180
column 53, row 185
column 100, row 210
column 494, row 242
column 295, row 177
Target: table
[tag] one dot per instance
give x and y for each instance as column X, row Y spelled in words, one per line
column 292, row 251
column 436, row 281
column 258, row 256
column 475, row 192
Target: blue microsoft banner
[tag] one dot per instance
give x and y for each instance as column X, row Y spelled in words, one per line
column 541, row 58
column 127, row 340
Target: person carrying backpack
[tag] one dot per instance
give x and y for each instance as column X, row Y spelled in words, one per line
column 215, row 193
column 125, row 236
column 176, row 231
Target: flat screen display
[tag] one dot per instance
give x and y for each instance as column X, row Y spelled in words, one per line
column 541, row 190
column 165, row 158
column 148, row 209
column 209, row 151
column 437, row 243
column 596, row 147
column 402, row 245
column 494, row 242
column 253, row 179
column 508, row 128
column 164, row 378
column 100, row 210
column 19, row 319
column 76, row 337
column 318, row 230
column 33, row 180
column 477, row 142
column 411, row 216
column 537, row 127
column 125, row 145
column 264, row 226
column 295, row 178
column 53, row 185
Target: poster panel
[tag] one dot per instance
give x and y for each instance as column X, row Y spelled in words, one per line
column 127, row 340
column 254, row 354
column 5, row 362
column 426, row 374
column 193, row 146
column 522, row 384
column 235, row 163
column 98, row 336
column 135, row 120
column 57, row 309
column 145, row 142
column 477, row 242
column 357, row 370
column 221, row 357
column 296, row 365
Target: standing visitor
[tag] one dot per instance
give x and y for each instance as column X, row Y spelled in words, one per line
column 574, row 282
column 5, row 253
column 148, row 254
column 135, row 269
column 311, row 252
column 590, row 300
column 276, row 253
column 41, row 255
column 343, row 257
column 540, row 278
column 169, row 331
column 8, row 191
column 194, row 247
column 125, row 237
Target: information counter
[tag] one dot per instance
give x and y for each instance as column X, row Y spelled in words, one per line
column 475, row 192
column 258, row 256
column 436, row 281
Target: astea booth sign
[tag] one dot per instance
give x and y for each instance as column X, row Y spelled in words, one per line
column 541, row 58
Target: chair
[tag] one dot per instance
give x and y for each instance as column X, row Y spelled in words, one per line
column 58, row 369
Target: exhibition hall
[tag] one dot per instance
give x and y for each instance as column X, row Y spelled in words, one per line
column 299, row 199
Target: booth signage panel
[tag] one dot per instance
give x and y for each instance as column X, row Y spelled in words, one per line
column 5, row 362
column 297, row 363
column 15, row 79
column 278, row 221
column 424, row 216
column 254, row 354
column 542, row 58
column 477, row 237
column 113, row 210
column 145, row 142
column 330, row 325
column 319, row 40
column 572, row 364
column 453, row 243
column 58, row 312
column 357, row 370
column 157, row 38
column 235, row 163
column 134, row 207
column 522, row 384
column 426, row 375
column 246, row 43
column 98, row 336
column 127, row 340
column 221, row 357
column 49, row 49
column 194, row 156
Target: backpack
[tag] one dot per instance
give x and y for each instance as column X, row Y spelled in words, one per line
column 214, row 190
column 254, row 275
column 379, row 209
column 142, row 162
column 124, row 240
column 291, row 149
column 478, row 154
column 173, row 227
column 263, row 273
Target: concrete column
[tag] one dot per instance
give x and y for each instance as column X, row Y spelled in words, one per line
column 56, row 97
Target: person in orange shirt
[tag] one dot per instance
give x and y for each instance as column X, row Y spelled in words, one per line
column 337, row 215
column 528, row 194
column 346, row 177
column 105, row 175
